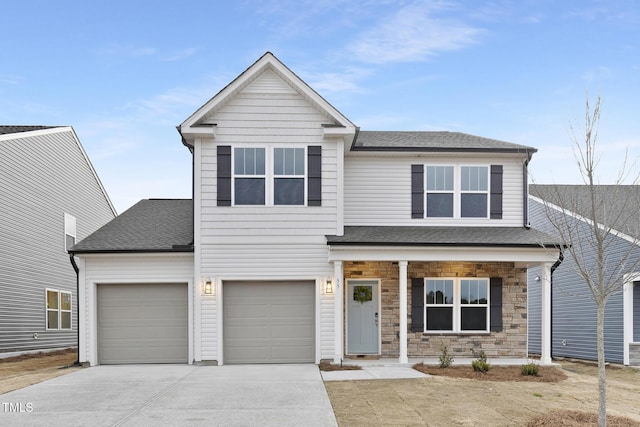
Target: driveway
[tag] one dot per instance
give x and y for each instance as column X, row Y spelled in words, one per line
column 175, row 395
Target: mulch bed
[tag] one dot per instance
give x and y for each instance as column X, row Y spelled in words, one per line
column 547, row 374
column 577, row 418
column 40, row 354
column 327, row 367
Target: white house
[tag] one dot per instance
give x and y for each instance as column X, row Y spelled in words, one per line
column 309, row 239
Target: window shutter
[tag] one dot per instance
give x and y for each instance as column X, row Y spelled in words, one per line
column 417, row 305
column 495, row 294
column 417, row 191
column 224, row 175
column 314, row 175
column 496, row 192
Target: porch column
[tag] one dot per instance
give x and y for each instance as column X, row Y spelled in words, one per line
column 338, row 313
column 545, row 303
column 402, row 278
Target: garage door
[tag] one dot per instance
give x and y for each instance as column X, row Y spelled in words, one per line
column 269, row 322
column 142, row 323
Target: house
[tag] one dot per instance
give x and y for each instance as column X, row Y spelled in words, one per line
column 50, row 197
column 574, row 314
column 314, row 240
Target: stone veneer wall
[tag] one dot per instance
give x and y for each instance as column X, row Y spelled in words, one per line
column 634, row 354
column 510, row 342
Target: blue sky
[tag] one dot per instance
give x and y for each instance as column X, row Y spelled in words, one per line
column 124, row 74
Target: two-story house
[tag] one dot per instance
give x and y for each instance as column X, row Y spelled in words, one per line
column 309, row 239
column 50, row 197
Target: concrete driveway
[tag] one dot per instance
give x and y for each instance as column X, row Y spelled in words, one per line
column 174, row 395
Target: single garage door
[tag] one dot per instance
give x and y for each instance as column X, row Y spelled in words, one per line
column 142, row 323
column 269, row 322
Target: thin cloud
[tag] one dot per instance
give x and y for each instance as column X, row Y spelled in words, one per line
column 179, row 55
column 414, row 33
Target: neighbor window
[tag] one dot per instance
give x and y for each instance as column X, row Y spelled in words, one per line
column 58, row 309
column 69, row 231
column 456, row 305
column 457, row 192
column 269, row 176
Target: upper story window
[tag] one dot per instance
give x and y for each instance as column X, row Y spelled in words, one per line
column 457, row 192
column 269, row 176
column 69, row 231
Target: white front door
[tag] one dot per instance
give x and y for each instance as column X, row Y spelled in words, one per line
column 362, row 317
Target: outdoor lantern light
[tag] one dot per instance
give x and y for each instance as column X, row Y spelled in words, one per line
column 208, row 286
column 328, row 286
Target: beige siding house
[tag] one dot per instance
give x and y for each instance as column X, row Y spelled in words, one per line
column 309, row 239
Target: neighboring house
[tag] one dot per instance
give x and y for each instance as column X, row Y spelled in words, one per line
column 573, row 308
column 314, row 240
column 50, row 197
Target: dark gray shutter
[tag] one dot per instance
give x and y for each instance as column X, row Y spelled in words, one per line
column 495, row 295
column 496, row 192
column 224, row 175
column 417, row 305
column 417, row 191
column 314, row 175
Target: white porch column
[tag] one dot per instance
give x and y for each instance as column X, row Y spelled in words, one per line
column 339, row 312
column 402, row 265
column 545, row 304
column 627, row 314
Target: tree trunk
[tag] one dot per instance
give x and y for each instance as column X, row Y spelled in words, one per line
column 602, row 382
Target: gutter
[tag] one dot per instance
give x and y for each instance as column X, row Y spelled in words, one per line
column 77, row 270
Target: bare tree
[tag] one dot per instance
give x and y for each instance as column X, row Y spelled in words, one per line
column 591, row 220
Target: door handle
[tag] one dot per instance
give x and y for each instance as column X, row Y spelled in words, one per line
column 376, row 317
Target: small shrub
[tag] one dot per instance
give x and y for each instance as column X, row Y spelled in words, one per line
column 530, row 369
column 445, row 358
column 481, row 364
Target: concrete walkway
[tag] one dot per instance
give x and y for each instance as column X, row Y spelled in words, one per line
column 174, row 395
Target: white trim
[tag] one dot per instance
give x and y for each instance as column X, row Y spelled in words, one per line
column 338, row 325
column 379, row 308
column 196, row 296
column 220, row 321
column 545, row 304
column 402, row 279
column 627, row 312
column 317, row 327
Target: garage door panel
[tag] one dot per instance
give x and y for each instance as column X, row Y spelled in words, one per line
column 269, row 322
column 142, row 323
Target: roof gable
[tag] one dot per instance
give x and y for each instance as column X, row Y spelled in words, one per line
column 266, row 75
column 12, row 129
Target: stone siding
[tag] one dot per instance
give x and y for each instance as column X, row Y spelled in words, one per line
column 634, row 354
column 510, row 342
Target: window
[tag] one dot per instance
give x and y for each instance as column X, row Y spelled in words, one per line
column 269, row 176
column 457, row 192
column 58, row 309
column 69, row 231
column 474, row 190
column 249, row 172
column 456, row 305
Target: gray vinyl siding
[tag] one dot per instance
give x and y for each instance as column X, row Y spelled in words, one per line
column 574, row 312
column 43, row 175
column 636, row 312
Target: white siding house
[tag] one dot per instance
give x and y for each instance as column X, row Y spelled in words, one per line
column 50, row 197
column 314, row 240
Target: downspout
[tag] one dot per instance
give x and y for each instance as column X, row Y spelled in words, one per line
column 553, row 268
column 77, row 270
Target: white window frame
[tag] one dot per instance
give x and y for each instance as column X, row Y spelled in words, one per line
column 270, row 175
column 457, row 306
column 457, row 191
column 69, row 230
column 59, row 310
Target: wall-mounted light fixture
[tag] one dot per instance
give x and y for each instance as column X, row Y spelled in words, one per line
column 328, row 286
column 208, row 286
column 537, row 278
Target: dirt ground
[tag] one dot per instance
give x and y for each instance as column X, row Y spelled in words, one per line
column 476, row 400
column 451, row 396
column 21, row 371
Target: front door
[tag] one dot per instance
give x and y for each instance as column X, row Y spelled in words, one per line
column 362, row 317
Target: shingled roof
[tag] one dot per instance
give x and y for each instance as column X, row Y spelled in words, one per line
column 151, row 225
column 433, row 141
column 442, row 236
column 615, row 205
column 9, row 129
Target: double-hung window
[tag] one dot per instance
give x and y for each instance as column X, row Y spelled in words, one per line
column 457, row 192
column 58, row 309
column 269, row 176
column 456, row 305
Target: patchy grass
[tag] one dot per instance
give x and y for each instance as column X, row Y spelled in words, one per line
column 328, row 366
column 547, row 374
column 577, row 419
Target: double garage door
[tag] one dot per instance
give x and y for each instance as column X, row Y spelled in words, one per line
column 269, row 322
column 142, row 323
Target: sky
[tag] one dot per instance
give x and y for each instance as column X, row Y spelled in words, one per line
column 124, row 74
